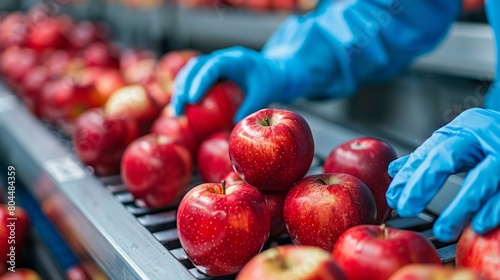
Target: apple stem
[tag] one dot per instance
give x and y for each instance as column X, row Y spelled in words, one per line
column 320, row 180
column 385, row 230
column 267, row 121
column 223, row 183
column 279, row 257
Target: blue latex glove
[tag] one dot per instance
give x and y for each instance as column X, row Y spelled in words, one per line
column 327, row 53
column 493, row 12
column 471, row 142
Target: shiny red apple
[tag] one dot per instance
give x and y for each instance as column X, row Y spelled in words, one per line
column 176, row 127
column 376, row 251
column 320, row 208
column 213, row 157
column 215, row 111
column 292, row 262
column 434, row 272
column 100, row 140
column 156, row 169
column 367, row 159
column 480, row 253
column 271, row 149
column 221, row 228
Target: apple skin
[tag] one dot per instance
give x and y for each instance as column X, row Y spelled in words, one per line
column 156, row 169
column 480, row 253
column 176, row 127
column 232, row 178
column 13, row 29
column 48, row 33
column 213, row 157
column 292, row 262
column 319, row 208
column 22, row 230
column 101, row 54
column 433, row 271
column 15, row 62
column 271, row 149
column 21, row 274
column 215, row 112
column 368, row 160
column 108, row 82
column 221, row 228
column 100, row 140
column 275, row 201
column 358, row 247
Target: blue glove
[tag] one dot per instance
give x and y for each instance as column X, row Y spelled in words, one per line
column 493, row 12
column 471, row 142
column 327, row 53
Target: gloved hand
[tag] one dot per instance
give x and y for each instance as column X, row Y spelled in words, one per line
column 329, row 52
column 263, row 79
column 471, row 142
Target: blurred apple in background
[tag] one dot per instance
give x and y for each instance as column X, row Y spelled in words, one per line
column 170, row 64
column 109, row 81
column 221, row 228
column 100, row 140
column 376, row 251
column 133, row 102
column 32, row 83
column 368, row 160
column 48, row 33
column 13, row 30
column 15, row 62
column 480, row 253
column 21, row 274
column 101, row 54
column 156, row 169
column 433, row 272
column 176, row 127
column 320, row 208
column 213, row 157
column 57, row 63
column 292, row 262
column 85, row 32
column 271, row 149
column 20, row 232
column 216, row 110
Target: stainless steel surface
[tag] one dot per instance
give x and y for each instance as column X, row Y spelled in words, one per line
column 117, row 242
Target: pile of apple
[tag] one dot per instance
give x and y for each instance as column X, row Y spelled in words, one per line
column 334, row 220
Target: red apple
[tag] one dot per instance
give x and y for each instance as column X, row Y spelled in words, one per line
column 48, row 33
column 57, row 62
column 176, row 127
column 100, row 140
column 433, row 271
column 65, row 99
column 129, row 57
column 480, row 253
column 21, row 274
column 367, row 159
column 292, row 262
column 155, row 91
column 139, row 70
column 376, row 251
column 133, row 102
column 275, row 201
column 101, row 54
column 319, row 208
column 108, row 82
column 271, row 149
column 213, row 157
column 15, row 225
column 13, row 30
column 32, row 83
column 85, row 32
column 170, row 64
column 220, row 228
column 15, row 62
column 156, row 169
column 215, row 111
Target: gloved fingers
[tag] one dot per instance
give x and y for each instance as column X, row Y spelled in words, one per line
column 221, row 66
column 251, row 104
column 182, row 84
column 488, row 218
column 477, row 195
column 448, row 157
column 411, row 163
column 396, row 165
